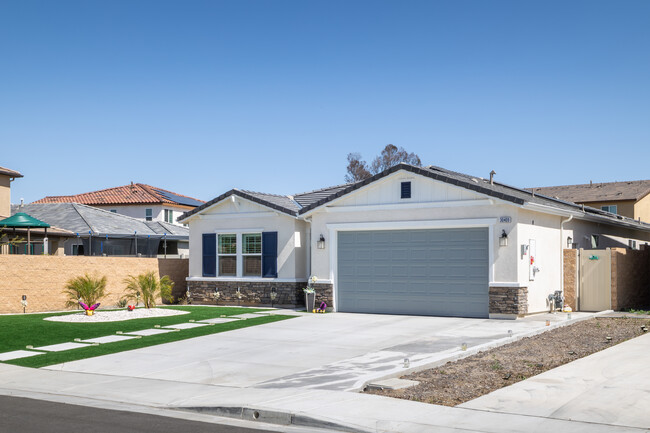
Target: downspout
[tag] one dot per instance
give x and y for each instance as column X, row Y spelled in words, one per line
column 562, row 253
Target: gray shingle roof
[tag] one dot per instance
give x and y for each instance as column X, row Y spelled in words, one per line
column 595, row 192
column 300, row 204
column 79, row 218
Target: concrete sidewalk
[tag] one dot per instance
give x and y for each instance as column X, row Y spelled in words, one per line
column 337, row 410
column 609, row 387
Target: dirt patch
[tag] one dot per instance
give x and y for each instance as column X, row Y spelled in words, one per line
column 466, row 379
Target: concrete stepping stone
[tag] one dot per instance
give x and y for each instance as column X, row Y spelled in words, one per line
column 61, row 347
column 187, row 325
column 16, row 354
column 218, row 320
column 109, row 339
column 147, row 332
column 248, row 316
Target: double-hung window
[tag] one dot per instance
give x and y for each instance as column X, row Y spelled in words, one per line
column 227, row 255
column 169, row 216
column 148, row 214
column 252, row 254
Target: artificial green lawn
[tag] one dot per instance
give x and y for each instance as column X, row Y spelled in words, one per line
column 20, row 330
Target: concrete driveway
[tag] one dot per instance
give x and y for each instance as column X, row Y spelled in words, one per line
column 332, row 351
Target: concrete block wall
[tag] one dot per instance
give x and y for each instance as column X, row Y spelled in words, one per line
column 630, row 278
column 43, row 278
column 571, row 278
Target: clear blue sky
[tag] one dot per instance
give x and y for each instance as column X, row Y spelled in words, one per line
column 202, row 96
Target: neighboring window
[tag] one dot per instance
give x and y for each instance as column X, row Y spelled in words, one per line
column 611, row 208
column 148, row 214
column 227, row 254
column 252, row 254
column 114, row 210
column 169, row 216
column 632, row 244
column 406, row 189
column 595, row 241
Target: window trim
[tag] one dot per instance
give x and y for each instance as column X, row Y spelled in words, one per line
column 243, row 254
column 220, row 254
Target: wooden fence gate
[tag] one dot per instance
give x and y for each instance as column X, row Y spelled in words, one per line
column 595, row 280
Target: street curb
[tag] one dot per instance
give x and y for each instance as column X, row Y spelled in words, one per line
column 269, row 416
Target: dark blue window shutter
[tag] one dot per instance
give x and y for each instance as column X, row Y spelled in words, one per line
column 209, row 254
column 406, row 189
column 270, row 254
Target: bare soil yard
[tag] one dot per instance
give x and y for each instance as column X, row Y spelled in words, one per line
column 466, row 379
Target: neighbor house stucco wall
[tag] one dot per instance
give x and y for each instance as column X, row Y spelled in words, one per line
column 5, row 196
column 242, row 215
column 642, row 209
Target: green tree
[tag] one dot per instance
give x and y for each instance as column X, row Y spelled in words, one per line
column 90, row 289
column 147, row 287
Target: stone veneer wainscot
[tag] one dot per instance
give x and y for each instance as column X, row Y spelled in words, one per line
column 257, row 293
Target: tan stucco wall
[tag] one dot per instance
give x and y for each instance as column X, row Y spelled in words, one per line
column 642, row 209
column 43, row 278
column 5, row 196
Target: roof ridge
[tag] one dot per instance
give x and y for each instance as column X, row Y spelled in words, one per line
column 74, row 206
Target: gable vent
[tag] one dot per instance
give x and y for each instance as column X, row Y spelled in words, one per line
column 406, row 189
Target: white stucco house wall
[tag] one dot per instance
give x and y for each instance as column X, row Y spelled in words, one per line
column 409, row 240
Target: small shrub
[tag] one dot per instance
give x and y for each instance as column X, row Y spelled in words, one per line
column 122, row 303
column 90, row 289
column 496, row 365
column 146, row 287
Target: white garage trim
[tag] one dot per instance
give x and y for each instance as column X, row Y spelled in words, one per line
column 334, row 228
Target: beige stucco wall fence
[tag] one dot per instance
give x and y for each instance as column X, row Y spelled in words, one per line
column 43, row 278
column 630, row 278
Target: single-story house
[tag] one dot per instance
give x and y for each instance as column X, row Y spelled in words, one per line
column 630, row 199
column 137, row 200
column 408, row 240
column 99, row 232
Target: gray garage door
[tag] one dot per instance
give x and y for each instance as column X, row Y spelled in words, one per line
column 441, row 272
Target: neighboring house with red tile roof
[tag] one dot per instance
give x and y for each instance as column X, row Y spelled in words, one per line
column 630, row 199
column 137, row 200
column 6, row 177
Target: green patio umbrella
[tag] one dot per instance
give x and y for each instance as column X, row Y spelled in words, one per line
column 24, row 221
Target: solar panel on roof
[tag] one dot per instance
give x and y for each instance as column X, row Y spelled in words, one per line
column 179, row 199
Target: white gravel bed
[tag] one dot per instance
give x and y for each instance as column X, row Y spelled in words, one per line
column 117, row 315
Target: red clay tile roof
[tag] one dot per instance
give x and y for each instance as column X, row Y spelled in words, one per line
column 135, row 193
column 9, row 172
column 595, row 192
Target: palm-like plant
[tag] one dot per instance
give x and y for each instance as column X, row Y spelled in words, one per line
column 89, row 289
column 147, row 287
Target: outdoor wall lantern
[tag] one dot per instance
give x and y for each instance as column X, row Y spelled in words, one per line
column 321, row 243
column 503, row 239
column 569, row 242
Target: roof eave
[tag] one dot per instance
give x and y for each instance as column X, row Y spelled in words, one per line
column 187, row 216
